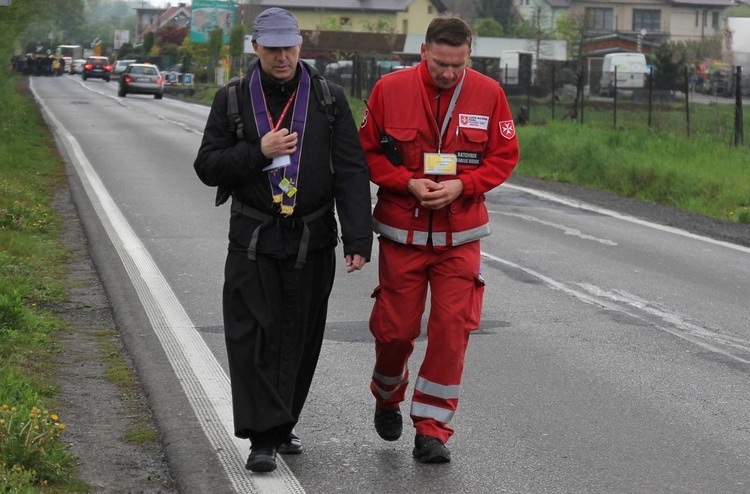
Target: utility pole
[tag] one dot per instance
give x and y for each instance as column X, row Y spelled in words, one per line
column 252, row 11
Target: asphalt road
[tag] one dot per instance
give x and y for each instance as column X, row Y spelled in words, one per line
column 613, row 355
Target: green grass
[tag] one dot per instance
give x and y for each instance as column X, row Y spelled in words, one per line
column 122, row 375
column 33, row 265
column 32, row 269
column 696, row 174
column 203, row 94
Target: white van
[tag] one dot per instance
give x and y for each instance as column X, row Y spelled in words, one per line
column 631, row 72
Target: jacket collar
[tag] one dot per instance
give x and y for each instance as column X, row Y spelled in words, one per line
column 271, row 85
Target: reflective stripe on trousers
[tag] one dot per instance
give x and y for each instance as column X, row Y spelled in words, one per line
column 439, row 239
column 425, row 390
column 386, row 386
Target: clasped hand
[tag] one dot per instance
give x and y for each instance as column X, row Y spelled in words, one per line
column 435, row 195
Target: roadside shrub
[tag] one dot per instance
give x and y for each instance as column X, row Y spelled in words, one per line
column 30, row 448
column 23, row 218
column 13, row 310
column 16, row 480
column 742, row 215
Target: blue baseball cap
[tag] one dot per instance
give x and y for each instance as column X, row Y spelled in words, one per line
column 276, row 27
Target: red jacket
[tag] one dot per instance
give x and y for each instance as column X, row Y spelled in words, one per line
column 481, row 133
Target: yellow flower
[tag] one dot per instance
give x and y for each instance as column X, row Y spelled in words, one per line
column 5, row 407
column 2, row 421
column 54, row 417
column 61, row 427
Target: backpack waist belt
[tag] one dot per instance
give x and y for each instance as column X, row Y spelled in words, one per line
column 279, row 222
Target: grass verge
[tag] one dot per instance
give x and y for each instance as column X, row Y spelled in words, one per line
column 121, row 374
column 694, row 174
column 34, row 263
column 32, row 267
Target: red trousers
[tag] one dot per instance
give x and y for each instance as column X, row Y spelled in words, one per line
column 453, row 279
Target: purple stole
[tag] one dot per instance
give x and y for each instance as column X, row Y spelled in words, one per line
column 283, row 180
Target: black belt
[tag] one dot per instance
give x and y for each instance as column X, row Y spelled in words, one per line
column 282, row 222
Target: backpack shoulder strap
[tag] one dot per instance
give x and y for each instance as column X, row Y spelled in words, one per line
column 234, row 102
column 326, row 102
column 325, row 99
column 233, row 107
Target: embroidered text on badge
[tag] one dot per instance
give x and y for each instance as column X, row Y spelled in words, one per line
column 473, row 121
column 473, row 158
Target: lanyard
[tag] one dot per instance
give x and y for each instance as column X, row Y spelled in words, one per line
column 451, row 107
column 283, row 113
column 283, row 181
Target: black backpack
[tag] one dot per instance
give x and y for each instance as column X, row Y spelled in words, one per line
column 326, row 102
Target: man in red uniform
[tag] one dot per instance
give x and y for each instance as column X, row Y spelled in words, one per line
column 437, row 137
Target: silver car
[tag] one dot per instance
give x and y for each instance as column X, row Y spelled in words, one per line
column 76, row 66
column 120, row 66
column 141, row 78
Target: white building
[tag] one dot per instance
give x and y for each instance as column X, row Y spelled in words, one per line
column 738, row 42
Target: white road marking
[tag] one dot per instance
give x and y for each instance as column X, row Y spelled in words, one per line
column 619, row 301
column 625, row 217
column 565, row 229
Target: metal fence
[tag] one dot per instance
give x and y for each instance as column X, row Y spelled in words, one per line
column 691, row 102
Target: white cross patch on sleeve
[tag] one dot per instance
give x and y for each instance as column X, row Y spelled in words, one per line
column 507, row 129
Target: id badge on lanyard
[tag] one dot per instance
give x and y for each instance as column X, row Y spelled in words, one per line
column 444, row 163
column 440, row 164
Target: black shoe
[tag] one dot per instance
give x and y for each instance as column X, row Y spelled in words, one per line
column 262, row 459
column 428, row 449
column 291, row 445
column 388, row 423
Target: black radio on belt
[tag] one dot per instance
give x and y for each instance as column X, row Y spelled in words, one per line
column 387, row 142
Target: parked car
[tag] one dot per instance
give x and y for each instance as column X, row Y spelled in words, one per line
column 339, row 72
column 141, row 78
column 121, row 65
column 76, row 66
column 96, row 67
